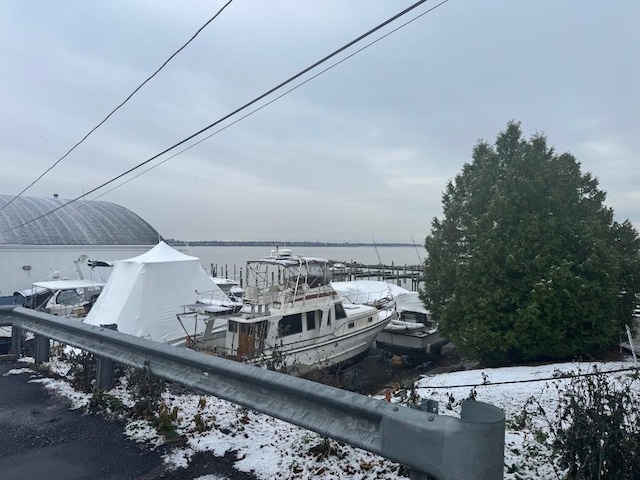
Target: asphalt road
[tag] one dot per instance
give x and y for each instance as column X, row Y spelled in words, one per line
column 40, row 438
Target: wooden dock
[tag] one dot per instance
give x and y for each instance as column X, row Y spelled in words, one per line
column 409, row 276
column 406, row 276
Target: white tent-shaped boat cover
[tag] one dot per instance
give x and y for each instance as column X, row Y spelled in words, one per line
column 144, row 294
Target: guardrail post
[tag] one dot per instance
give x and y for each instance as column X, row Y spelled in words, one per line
column 485, row 454
column 104, row 373
column 430, row 406
column 16, row 340
column 482, row 456
column 43, row 346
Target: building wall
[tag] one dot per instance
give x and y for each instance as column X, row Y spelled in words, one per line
column 22, row 265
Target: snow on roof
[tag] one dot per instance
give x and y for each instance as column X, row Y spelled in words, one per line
column 80, row 223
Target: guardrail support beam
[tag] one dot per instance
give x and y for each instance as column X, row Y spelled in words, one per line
column 43, row 346
column 104, row 373
column 16, row 340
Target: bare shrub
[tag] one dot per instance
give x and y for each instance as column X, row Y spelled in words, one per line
column 594, row 431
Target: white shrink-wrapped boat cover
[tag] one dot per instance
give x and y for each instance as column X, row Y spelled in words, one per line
column 369, row 291
column 144, row 293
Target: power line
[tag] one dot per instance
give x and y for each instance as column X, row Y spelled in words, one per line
column 247, row 105
column 532, row 380
column 118, row 107
column 270, row 102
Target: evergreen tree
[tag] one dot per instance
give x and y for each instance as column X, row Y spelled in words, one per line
column 527, row 262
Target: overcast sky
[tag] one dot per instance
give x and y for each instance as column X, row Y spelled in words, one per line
column 362, row 152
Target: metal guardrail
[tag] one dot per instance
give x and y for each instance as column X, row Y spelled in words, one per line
column 431, row 445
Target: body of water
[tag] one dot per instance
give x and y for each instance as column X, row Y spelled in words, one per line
column 227, row 261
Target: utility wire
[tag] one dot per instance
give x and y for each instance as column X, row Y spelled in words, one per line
column 245, row 106
column 118, row 107
column 270, row 102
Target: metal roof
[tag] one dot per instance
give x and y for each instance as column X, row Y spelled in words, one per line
column 80, row 223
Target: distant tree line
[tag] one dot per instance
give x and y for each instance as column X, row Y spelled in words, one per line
column 274, row 243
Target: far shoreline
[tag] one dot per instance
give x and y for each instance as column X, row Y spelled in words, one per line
column 272, row 243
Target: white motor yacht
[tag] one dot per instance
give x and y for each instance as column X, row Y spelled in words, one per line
column 291, row 319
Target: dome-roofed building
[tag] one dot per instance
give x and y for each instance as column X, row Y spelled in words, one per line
column 40, row 237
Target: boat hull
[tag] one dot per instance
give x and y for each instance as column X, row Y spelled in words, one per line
column 414, row 344
column 331, row 353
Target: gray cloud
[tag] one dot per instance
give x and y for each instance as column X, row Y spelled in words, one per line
column 363, row 151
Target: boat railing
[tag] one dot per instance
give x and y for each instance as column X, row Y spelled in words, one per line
column 275, row 294
column 212, row 297
column 251, row 295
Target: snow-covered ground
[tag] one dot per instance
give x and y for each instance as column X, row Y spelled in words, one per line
column 510, row 389
column 271, row 448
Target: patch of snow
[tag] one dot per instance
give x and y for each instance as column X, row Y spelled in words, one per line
column 18, row 371
column 524, row 457
column 142, row 431
column 78, row 399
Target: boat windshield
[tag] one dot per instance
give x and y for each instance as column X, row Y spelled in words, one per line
column 70, row 297
column 288, row 272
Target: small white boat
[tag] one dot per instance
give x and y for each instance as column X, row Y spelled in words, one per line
column 72, row 298
column 412, row 333
column 65, row 298
column 61, row 295
column 230, row 287
column 291, row 319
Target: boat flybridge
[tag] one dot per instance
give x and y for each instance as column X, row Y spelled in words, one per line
column 291, row 319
